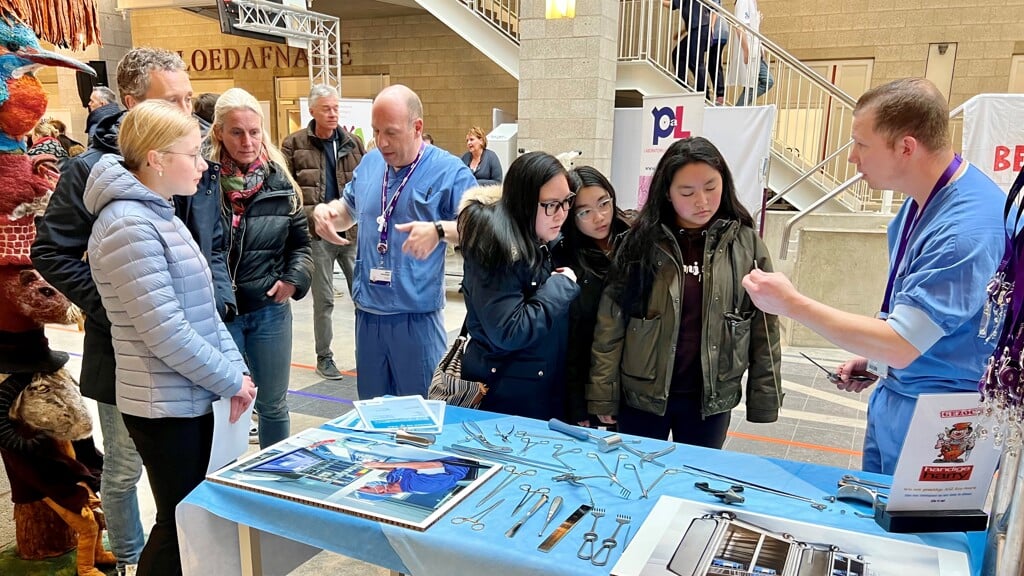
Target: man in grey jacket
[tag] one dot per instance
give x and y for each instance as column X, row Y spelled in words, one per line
column 62, row 236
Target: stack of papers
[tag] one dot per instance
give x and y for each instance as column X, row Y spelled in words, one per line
column 390, row 413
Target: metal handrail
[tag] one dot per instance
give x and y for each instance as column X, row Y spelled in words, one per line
column 788, row 228
column 807, row 175
column 503, row 15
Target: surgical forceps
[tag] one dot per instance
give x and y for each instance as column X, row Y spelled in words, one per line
column 529, row 444
column 562, row 451
column 625, row 492
column 528, row 496
column 478, row 519
column 504, row 435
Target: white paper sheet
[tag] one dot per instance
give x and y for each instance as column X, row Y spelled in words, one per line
column 229, row 440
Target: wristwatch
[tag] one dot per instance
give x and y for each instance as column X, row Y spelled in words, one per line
column 440, row 231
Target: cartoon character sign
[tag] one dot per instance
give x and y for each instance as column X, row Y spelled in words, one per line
column 955, row 444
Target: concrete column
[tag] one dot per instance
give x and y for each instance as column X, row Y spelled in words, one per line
column 567, row 80
column 116, row 33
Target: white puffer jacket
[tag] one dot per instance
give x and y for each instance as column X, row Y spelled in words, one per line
column 174, row 355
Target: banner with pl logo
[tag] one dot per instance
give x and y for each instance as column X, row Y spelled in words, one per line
column 994, row 136
column 665, row 120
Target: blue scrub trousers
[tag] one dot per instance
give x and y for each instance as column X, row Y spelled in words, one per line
column 396, row 354
column 889, row 417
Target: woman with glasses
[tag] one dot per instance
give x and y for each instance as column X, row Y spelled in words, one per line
column 174, row 355
column 591, row 233
column 676, row 332
column 270, row 260
column 517, row 302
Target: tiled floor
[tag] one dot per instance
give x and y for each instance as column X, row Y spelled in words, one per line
column 818, row 423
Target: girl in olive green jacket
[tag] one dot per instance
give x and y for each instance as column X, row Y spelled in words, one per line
column 675, row 330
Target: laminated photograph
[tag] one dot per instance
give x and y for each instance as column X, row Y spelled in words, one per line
column 367, row 477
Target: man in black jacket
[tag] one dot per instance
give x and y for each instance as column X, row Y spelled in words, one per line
column 62, row 238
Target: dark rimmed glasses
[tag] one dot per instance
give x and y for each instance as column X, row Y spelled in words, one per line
column 552, row 208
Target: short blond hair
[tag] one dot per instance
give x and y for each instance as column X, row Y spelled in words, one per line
column 478, row 132
column 44, row 128
column 151, row 125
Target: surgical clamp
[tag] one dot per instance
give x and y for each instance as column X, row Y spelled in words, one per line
column 477, row 520
column 512, row 474
column 650, row 457
column 851, row 479
column 504, row 435
column 473, row 429
column 625, row 492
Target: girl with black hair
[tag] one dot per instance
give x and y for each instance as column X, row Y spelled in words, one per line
column 675, row 329
column 517, row 302
column 591, row 233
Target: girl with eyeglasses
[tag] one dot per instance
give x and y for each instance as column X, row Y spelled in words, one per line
column 676, row 332
column 174, row 355
column 592, row 231
column 517, row 301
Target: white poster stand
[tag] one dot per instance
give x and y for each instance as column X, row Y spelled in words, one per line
column 994, row 136
column 355, row 116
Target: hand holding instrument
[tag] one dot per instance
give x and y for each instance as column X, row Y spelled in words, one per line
column 515, row 527
column 564, row 528
column 834, row 378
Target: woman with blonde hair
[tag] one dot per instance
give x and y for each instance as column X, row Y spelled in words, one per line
column 44, row 141
column 174, row 355
column 483, row 162
column 269, row 256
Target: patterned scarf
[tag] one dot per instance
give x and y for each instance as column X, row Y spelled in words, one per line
column 239, row 187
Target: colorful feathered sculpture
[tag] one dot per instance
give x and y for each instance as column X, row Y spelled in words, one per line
column 45, row 432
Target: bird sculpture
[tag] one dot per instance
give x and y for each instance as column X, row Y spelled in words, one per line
column 45, row 432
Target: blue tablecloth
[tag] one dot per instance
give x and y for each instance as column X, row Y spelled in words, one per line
column 208, row 517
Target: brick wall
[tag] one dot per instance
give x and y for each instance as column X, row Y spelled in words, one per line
column 458, row 84
column 897, row 34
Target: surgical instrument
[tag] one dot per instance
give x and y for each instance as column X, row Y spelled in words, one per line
column 608, row 543
column 501, row 456
column 473, row 429
column 707, row 473
column 556, row 503
column 515, row 527
column 512, row 474
column 477, row 520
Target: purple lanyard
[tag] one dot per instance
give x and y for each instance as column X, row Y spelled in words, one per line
column 388, row 208
column 910, row 224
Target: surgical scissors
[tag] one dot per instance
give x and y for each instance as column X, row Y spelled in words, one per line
column 562, row 451
column 473, row 429
column 529, row 444
column 477, row 520
column 512, row 474
column 650, row 457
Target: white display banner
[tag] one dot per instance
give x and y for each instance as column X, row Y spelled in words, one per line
column 354, row 116
column 742, row 134
column 994, row 136
column 665, row 120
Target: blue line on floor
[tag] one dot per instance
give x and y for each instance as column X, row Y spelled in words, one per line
column 321, row 397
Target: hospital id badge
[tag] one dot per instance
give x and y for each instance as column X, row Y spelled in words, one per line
column 878, row 368
column 380, row 276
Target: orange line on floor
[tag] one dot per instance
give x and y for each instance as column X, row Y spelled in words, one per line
column 310, row 367
column 771, row 440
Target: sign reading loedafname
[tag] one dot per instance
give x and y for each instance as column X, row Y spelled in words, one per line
column 251, row 58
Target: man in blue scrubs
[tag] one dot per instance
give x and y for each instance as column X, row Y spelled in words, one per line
column 944, row 245
column 405, row 196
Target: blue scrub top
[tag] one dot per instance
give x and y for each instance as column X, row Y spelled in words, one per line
column 411, row 480
column 939, row 291
column 433, row 193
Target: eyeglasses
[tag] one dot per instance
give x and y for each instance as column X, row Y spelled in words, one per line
column 552, row 208
column 604, row 206
column 196, row 158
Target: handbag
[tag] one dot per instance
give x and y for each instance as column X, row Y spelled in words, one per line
column 448, row 384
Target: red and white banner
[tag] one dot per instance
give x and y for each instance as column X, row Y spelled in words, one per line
column 994, row 136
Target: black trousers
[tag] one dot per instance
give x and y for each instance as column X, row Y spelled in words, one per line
column 682, row 418
column 176, row 453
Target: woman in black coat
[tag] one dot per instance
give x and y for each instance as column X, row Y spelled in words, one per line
column 516, row 300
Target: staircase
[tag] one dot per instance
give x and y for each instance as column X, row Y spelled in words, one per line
column 812, row 129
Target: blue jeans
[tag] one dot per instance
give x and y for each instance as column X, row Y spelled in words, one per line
column 325, row 255
column 122, row 469
column 764, row 84
column 264, row 337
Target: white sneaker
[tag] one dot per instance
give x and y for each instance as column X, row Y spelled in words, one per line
column 129, row 570
column 254, row 429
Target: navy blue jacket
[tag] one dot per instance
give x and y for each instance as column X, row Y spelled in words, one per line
column 62, row 239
